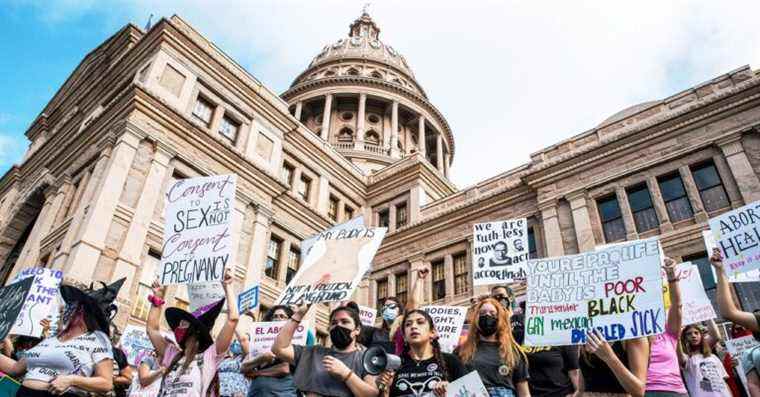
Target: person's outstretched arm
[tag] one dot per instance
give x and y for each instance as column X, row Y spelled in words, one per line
column 152, row 326
column 728, row 308
column 224, row 339
column 283, row 344
column 675, row 317
column 633, row 380
column 417, row 291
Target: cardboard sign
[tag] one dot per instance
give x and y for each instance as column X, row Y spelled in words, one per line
column 202, row 295
column 135, row 342
column 500, row 251
column 367, row 315
column 748, row 277
column 248, row 299
column 449, row 321
column 737, row 347
column 263, row 335
column 198, row 244
column 41, row 301
column 616, row 290
column 469, row 385
column 737, row 236
column 695, row 305
column 334, row 266
column 355, row 223
column 12, row 299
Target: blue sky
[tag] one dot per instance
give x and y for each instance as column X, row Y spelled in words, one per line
column 500, row 71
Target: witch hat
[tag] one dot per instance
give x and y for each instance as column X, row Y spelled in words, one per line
column 202, row 321
column 97, row 303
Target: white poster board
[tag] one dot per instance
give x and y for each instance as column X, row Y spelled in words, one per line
column 737, row 236
column 41, row 302
column 469, row 385
column 135, row 342
column 306, row 244
column 263, row 335
column 334, row 266
column 737, row 347
column 448, row 321
column 695, row 305
column 367, row 315
column 198, row 242
column 500, row 251
column 616, row 290
column 748, row 277
column 202, row 295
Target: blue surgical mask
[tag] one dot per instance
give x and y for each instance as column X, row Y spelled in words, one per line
column 390, row 313
column 236, row 348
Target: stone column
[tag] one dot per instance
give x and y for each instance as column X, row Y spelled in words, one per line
column 581, row 221
column 693, row 193
column 299, row 109
column 394, row 130
column 391, row 284
column 323, row 195
column 30, row 252
column 360, row 121
column 421, row 142
column 625, row 210
column 727, row 177
column 746, row 179
column 60, row 198
column 284, row 253
column 448, row 272
column 446, row 165
column 552, row 231
column 439, row 152
column 259, row 244
column 659, row 205
column 391, row 218
column 415, row 203
column 326, row 115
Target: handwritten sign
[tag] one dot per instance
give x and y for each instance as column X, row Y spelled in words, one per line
column 748, row 277
column 134, row 341
column 737, row 347
column 306, row 244
column 197, row 238
column 334, row 266
column 367, row 315
column 469, row 385
column 696, row 306
column 204, row 294
column 500, row 251
column 12, row 299
column 737, row 236
column 263, row 335
column 616, row 290
column 248, row 299
column 41, row 301
column 448, row 321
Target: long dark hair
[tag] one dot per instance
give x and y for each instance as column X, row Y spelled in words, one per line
column 437, row 353
column 270, row 313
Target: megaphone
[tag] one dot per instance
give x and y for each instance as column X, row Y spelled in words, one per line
column 375, row 360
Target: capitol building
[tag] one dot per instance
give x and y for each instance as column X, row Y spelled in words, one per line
column 354, row 134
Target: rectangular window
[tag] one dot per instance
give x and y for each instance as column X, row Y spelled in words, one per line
column 294, row 260
column 287, row 173
column 202, row 110
column 401, row 288
column 612, row 219
column 644, row 214
column 264, row 146
column 382, row 292
column 674, row 195
column 332, row 211
column 304, row 187
column 439, row 279
column 401, row 218
column 272, row 267
column 710, row 187
column 147, row 274
column 532, row 250
column 383, row 218
column 461, row 273
column 349, row 212
column 141, row 306
column 229, row 129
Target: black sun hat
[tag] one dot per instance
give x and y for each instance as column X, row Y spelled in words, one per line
column 97, row 303
column 202, row 321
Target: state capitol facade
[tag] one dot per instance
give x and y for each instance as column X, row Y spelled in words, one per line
column 355, row 134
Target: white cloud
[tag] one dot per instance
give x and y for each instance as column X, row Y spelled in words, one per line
column 511, row 77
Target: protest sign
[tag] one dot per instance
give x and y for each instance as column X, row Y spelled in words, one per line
column 469, row 385
column 334, row 266
column 204, row 294
column 737, row 236
column 367, row 315
column 737, row 347
column 263, row 335
column 616, row 290
column 449, row 321
column 748, row 277
column 197, row 238
column 12, row 299
column 248, row 299
column 695, row 305
column 41, row 301
column 134, row 341
column 500, row 251
column 355, row 223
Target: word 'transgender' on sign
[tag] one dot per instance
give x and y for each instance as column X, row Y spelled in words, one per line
column 500, row 251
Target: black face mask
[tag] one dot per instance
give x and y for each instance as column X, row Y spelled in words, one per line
column 487, row 325
column 340, row 337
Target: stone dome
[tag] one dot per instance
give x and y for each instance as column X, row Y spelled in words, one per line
column 628, row 112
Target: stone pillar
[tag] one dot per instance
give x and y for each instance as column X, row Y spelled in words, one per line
column 391, row 284
column 326, row 116
column 415, row 203
column 448, row 272
column 693, row 193
column 552, row 231
column 299, row 109
column 284, row 253
column 625, row 210
column 439, row 152
column 746, row 179
column 360, row 121
column 659, row 205
column 726, row 176
column 323, row 195
column 394, row 130
column 446, row 165
column 259, row 244
column 30, row 252
column 581, row 221
column 391, row 218
column 421, row 142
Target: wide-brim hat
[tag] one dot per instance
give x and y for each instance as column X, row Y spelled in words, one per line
column 202, row 321
column 97, row 303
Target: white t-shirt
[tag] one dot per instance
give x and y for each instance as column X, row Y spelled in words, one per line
column 148, row 391
column 80, row 355
column 706, row 377
column 196, row 380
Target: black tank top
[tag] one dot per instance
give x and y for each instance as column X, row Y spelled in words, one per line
column 597, row 376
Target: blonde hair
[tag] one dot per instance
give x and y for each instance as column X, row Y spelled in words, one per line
column 509, row 350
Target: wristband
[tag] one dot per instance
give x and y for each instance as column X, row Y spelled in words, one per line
column 156, row 301
column 348, row 376
column 295, row 320
column 672, row 280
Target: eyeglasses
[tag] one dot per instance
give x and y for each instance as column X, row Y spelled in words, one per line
column 390, row 306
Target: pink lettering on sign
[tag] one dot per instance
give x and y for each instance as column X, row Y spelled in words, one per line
column 179, row 191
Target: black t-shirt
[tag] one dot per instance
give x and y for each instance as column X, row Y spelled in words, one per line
column 419, row 378
column 487, row 361
column 549, row 367
column 374, row 336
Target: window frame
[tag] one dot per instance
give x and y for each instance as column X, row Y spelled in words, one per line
column 608, row 234
column 200, row 99
column 685, row 196
column 275, row 260
column 720, row 184
column 438, row 284
column 629, row 192
column 465, row 274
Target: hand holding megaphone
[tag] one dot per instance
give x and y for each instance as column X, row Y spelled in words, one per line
column 375, row 360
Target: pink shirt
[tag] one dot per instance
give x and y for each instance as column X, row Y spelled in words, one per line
column 196, row 380
column 664, row 373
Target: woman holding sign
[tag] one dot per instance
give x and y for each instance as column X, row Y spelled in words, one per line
column 704, row 373
column 270, row 376
column 617, row 369
column 191, row 368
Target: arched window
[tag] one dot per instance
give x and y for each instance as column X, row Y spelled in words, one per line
column 353, row 72
column 346, row 135
column 377, row 75
column 372, row 137
column 329, row 73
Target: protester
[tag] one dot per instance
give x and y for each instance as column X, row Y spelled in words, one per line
column 122, row 372
column 504, row 295
column 270, row 375
column 704, row 373
column 232, row 383
column 730, row 363
column 149, row 374
column 79, row 359
column 192, row 367
column 617, row 369
column 491, row 350
column 664, row 374
column 321, row 371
